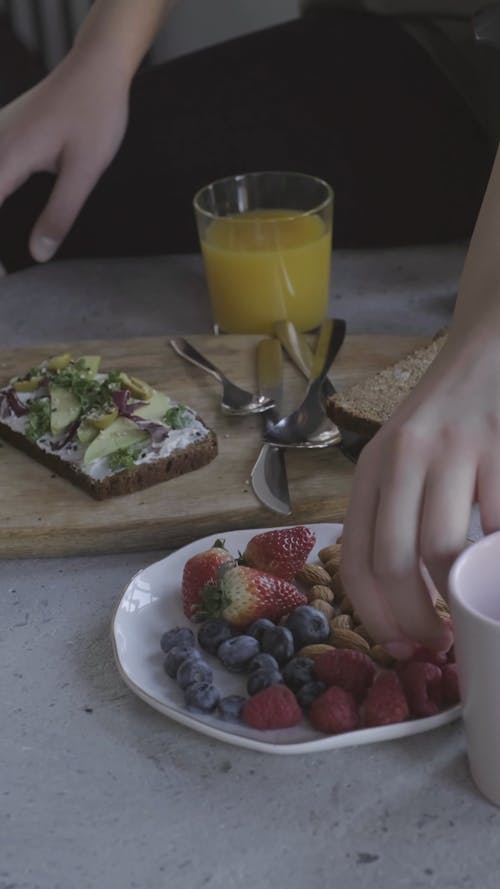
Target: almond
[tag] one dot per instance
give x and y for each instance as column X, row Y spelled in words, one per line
column 324, row 607
column 362, row 631
column 441, row 607
column 319, row 591
column 337, row 586
column 345, row 605
column 381, row 656
column 341, row 638
column 342, row 622
column 331, row 554
column 314, row 650
column 312, row 574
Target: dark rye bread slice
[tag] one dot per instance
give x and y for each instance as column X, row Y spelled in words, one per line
column 124, row 481
column 365, row 407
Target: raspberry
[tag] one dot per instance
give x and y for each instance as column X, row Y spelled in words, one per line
column 274, row 707
column 348, row 669
column 422, row 685
column 385, row 701
column 335, row 711
column 451, row 690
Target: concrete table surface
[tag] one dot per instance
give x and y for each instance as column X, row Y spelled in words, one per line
column 99, row 790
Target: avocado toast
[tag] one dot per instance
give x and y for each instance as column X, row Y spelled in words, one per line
column 109, row 433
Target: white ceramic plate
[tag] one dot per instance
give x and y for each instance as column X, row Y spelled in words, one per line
column 152, row 604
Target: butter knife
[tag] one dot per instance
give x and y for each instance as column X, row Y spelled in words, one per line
column 269, row 480
column 300, row 352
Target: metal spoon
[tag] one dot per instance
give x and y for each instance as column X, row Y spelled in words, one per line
column 234, row 399
column 305, row 425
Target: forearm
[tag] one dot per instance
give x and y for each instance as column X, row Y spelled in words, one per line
column 118, row 33
column 477, row 310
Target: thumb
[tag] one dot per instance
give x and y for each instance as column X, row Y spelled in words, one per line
column 70, row 192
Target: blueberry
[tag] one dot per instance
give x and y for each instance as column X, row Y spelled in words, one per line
column 176, row 656
column 263, row 662
column 298, row 672
column 230, row 708
column 193, row 669
column 308, row 626
column 278, row 642
column 260, row 679
column 309, row 692
column 177, row 636
column 258, row 628
column 202, row 696
column 236, row 653
column 212, row 632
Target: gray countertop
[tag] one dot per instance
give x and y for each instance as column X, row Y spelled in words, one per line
column 99, row 790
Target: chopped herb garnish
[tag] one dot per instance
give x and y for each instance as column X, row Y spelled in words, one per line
column 178, row 417
column 124, row 458
column 38, row 419
column 91, row 393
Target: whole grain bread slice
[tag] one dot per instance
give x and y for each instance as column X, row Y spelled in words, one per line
column 125, row 481
column 366, row 406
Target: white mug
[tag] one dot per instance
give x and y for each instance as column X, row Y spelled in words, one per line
column 474, row 586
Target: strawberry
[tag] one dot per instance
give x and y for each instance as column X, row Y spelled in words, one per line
column 281, row 552
column 199, row 571
column 244, row 595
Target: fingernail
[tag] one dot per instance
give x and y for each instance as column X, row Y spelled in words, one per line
column 399, row 650
column 44, row 248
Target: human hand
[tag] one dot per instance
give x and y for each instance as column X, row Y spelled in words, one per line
column 70, row 124
column 413, row 490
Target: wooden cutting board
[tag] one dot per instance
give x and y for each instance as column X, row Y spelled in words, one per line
column 44, row 515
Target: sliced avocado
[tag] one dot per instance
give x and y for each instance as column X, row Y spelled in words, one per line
column 121, row 434
column 91, row 363
column 86, row 432
column 59, row 362
column 138, row 388
column 154, row 409
column 64, row 408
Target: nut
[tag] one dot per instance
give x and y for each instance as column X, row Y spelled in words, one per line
column 331, row 554
column 312, row 574
column 441, row 607
column 324, row 607
column 342, row 622
column 362, row 631
column 348, row 639
column 337, row 586
column 314, row 650
column 381, row 656
column 319, row 591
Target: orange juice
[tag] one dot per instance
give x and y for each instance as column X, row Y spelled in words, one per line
column 264, row 266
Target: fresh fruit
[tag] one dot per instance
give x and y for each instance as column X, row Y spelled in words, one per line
column 260, row 679
column 298, row 672
column 202, row 697
column 309, row 692
column 193, row 669
column 273, row 708
column 263, row 661
column 236, row 654
column 175, row 657
column 422, row 685
column 385, row 702
column 348, row 669
column 230, row 708
column 334, row 712
column 428, row 656
column 243, row 595
column 176, row 636
column 451, row 690
column 280, row 552
column 199, row 571
column 308, row 626
column 278, row 642
column 258, row 627
column 213, row 632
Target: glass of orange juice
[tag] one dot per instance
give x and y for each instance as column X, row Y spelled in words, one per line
column 266, row 240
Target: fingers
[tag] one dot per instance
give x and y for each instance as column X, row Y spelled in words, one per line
column 488, row 490
column 71, row 189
